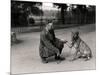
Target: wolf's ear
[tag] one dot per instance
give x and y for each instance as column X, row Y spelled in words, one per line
column 77, row 33
column 72, row 34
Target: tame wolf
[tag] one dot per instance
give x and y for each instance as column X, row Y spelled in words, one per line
column 80, row 48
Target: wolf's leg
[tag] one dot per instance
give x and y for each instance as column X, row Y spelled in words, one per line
column 88, row 57
column 76, row 55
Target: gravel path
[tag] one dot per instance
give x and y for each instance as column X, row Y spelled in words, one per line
column 25, row 55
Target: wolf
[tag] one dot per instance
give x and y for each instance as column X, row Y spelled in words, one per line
column 80, row 48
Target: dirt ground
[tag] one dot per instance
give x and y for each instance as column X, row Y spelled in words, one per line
column 25, row 55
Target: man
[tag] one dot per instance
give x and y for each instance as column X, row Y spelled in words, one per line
column 49, row 44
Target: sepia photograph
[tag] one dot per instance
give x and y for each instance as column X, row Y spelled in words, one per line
column 52, row 37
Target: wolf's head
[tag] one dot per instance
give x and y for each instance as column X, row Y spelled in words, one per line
column 74, row 36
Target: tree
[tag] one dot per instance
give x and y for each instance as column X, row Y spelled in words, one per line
column 83, row 13
column 63, row 8
column 33, row 7
column 20, row 12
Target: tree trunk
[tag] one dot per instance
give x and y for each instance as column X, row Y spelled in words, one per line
column 62, row 16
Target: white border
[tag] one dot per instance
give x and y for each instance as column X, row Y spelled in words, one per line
column 90, row 2
column 5, row 37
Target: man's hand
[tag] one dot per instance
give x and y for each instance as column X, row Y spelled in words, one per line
column 64, row 41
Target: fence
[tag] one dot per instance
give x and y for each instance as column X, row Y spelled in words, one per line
column 39, row 28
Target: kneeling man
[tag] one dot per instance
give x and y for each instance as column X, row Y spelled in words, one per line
column 49, row 44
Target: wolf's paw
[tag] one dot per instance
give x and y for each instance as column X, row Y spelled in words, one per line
column 88, row 58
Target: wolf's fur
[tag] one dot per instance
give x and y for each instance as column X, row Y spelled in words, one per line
column 81, row 48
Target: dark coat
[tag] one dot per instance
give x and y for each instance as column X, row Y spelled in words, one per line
column 49, row 44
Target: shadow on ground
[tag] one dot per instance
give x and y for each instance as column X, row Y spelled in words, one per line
column 17, row 42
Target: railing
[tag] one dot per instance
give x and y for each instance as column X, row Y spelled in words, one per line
column 39, row 28
column 26, row 29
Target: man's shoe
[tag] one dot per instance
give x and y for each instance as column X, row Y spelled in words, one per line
column 44, row 60
column 59, row 58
